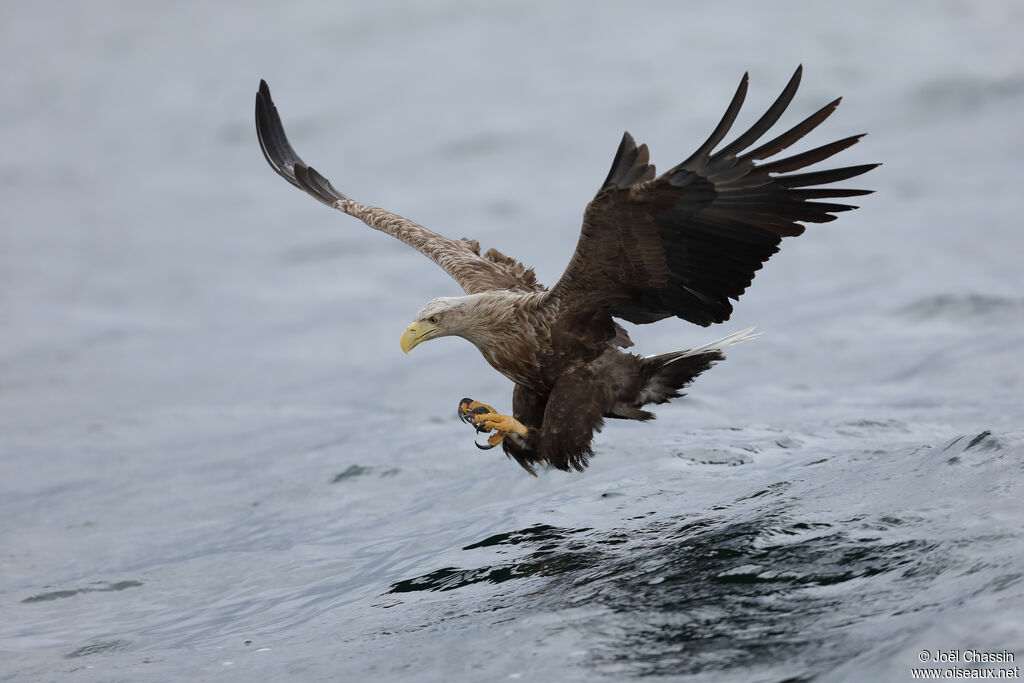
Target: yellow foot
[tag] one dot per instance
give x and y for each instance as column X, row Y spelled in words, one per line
column 468, row 408
column 486, row 419
column 501, row 423
column 493, row 440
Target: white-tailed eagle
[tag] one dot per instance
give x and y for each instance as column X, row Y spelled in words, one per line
column 652, row 246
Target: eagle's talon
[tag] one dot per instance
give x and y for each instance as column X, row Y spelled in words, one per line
column 469, row 410
column 486, row 419
column 468, row 405
column 501, row 424
column 493, row 440
column 483, row 422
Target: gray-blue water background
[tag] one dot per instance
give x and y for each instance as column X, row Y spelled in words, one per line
column 216, row 464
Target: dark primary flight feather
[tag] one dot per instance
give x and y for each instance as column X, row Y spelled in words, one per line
column 686, row 242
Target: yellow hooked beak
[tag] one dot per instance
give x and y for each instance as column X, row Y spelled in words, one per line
column 416, row 333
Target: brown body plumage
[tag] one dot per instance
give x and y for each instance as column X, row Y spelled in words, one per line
column 680, row 244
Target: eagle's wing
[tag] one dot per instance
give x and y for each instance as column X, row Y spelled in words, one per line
column 459, row 258
column 685, row 242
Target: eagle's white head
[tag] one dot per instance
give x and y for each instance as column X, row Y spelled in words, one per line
column 475, row 317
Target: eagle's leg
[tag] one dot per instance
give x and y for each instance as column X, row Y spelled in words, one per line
column 485, row 419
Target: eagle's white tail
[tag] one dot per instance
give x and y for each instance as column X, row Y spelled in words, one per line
column 666, row 374
column 724, row 342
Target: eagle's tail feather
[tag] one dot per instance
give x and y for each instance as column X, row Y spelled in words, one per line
column 666, row 374
column 717, row 345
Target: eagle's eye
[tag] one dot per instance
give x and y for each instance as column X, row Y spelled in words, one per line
column 432, row 320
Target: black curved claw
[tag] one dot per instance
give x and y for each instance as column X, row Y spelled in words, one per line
column 468, row 419
column 466, row 415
